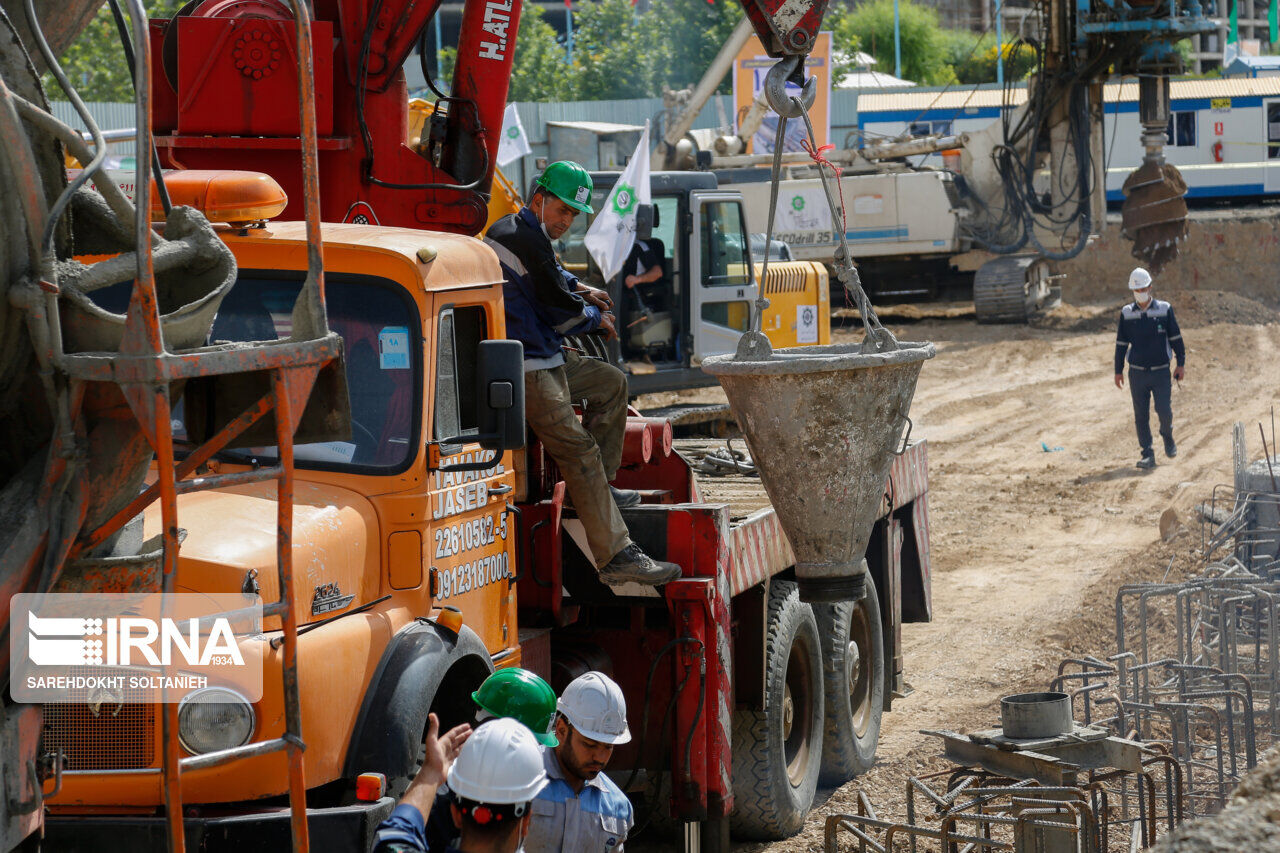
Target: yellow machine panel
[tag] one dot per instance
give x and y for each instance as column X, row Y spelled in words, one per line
column 799, row 312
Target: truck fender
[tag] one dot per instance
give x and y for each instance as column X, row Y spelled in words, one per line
column 413, row 668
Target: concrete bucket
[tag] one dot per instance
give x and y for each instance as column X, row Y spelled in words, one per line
column 823, row 423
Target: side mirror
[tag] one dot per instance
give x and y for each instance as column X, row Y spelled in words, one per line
column 499, row 404
column 500, row 395
column 646, row 221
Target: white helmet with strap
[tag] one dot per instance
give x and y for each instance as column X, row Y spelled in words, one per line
column 1139, row 279
column 594, row 705
column 500, row 764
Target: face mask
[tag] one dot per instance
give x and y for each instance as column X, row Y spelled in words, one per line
column 542, row 222
column 1143, row 298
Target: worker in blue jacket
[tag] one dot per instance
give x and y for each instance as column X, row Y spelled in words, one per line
column 1148, row 333
column 544, row 303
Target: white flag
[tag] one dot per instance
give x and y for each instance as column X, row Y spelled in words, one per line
column 514, row 144
column 613, row 233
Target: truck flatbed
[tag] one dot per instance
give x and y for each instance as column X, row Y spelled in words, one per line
column 758, row 548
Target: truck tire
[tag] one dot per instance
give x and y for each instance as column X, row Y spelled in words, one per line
column 777, row 752
column 853, row 685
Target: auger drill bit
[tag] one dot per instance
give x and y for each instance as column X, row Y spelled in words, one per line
column 1154, row 213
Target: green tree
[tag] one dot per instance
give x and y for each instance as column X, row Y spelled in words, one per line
column 613, row 51
column 973, row 57
column 94, row 62
column 922, row 43
column 686, row 36
column 844, row 43
column 539, row 72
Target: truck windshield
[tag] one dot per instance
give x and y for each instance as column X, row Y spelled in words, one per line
column 382, row 348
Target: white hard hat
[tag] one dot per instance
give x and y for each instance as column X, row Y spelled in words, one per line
column 500, row 764
column 1139, row 279
column 593, row 704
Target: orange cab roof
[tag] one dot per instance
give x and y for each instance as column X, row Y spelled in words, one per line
column 446, row 261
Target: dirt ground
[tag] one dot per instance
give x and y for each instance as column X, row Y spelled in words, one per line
column 1037, row 511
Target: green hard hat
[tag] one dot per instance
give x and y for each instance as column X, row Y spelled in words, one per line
column 569, row 182
column 523, row 696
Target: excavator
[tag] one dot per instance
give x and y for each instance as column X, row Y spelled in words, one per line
column 685, row 318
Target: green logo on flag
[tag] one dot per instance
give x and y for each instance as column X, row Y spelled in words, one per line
column 514, row 133
column 624, row 200
column 797, row 203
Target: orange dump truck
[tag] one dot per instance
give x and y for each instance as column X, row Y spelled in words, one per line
column 422, row 561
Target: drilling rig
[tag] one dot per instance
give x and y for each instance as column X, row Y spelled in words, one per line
column 1011, row 199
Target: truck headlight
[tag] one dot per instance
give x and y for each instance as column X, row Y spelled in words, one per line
column 214, row 718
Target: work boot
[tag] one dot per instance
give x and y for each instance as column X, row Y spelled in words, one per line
column 631, row 565
column 624, row 497
column 1148, row 461
column 1170, row 449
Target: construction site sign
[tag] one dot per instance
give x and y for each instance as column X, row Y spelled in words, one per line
column 749, row 70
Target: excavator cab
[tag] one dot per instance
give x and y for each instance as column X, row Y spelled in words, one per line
column 702, row 302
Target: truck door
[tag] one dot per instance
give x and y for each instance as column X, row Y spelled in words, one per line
column 470, row 547
column 723, row 287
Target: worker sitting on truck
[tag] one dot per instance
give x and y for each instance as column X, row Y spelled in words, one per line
column 494, row 776
column 580, row 809
column 544, row 303
column 508, row 693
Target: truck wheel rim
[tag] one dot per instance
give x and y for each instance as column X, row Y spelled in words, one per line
column 859, row 664
column 797, row 707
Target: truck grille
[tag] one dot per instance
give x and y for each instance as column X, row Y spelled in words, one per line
column 120, row 736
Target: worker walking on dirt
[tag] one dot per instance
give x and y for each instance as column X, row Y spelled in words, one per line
column 513, row 693
column 494, row 776
column 544, row 303
column 1149, row 334
column 580, row 810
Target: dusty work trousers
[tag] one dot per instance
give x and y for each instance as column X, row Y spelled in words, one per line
column 1145, row 385
column 587, row 452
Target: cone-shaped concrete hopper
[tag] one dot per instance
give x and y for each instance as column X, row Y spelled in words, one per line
column 823, row 423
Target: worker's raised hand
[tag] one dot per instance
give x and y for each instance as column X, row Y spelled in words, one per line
column 441, row 751
column 1179, row 372
column 609, row 324
column 1119, row 380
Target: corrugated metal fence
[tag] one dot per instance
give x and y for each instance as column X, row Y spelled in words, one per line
column 718, row 113
column 107, row 115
